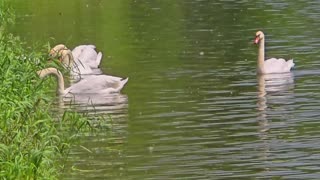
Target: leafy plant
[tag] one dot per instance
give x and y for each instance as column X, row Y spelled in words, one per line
column 32, row 137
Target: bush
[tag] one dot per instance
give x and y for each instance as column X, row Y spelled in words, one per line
column 31, row 139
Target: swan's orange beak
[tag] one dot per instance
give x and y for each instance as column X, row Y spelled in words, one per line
column 256, row 41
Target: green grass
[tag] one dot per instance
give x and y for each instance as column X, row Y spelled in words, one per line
column 33, row 139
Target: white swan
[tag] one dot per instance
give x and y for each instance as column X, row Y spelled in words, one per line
column 272, row 65
column 92, row 84
column 87, row 55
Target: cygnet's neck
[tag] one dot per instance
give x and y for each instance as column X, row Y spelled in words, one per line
column 67, row 58
column 48, row 71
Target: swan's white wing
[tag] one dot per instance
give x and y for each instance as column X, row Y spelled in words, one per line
column 111, row 83
column 274, row 65
column 81, row 68
column 81, row 47
column 98, row 84
column 77, row 51
column 90, row 57
column 88, row 54
column 98, row 60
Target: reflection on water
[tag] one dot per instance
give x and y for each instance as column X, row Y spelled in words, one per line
column 194, row 107
column 272, row 89
column 109, row 103
column 93, row 156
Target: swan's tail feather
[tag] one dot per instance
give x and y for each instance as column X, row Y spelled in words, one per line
column 291, row 63
column 123, row 82
column 91, row 46
column 99, row 57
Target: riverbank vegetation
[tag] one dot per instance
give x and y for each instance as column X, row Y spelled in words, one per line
column 32, row 137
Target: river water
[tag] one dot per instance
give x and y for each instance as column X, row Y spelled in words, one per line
column 194, row 107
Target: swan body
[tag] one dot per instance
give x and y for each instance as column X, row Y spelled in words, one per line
column 272, row 65
column 104, row 84
column 93, row 84
column 88, row 55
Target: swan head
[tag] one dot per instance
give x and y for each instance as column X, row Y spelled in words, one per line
column 259, row 37
column 55, row 51
column 53, row 71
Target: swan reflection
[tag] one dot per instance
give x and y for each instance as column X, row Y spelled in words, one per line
column 109, row 107
column 277, row 90
column 96, row 102
column 273, row 89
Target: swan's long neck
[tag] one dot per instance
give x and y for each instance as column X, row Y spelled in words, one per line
column 48, row 71
column 261, row 57
column 56, row 51
column 67, row 58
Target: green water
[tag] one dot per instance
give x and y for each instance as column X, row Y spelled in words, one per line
column 193, row 107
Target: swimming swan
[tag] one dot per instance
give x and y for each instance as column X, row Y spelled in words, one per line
column 92, row 84
column 87, row 55
column 272, row 65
